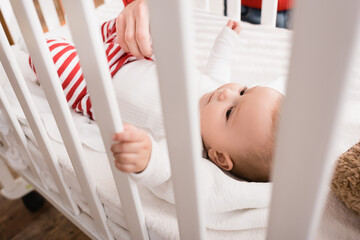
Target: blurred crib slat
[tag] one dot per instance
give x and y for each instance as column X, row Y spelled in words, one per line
column 178, row 95
column 202, row 4
column 322, row 55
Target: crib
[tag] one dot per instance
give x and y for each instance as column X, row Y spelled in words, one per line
column 289, row 218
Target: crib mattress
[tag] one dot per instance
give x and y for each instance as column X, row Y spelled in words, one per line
column 261, row 57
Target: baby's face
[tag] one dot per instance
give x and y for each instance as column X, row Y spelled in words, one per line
column 235, row 119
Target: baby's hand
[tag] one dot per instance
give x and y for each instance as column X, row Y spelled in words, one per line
column 133, row 150
column 233, row 25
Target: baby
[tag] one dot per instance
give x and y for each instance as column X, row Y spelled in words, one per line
column 238, row 127
column 237, row 124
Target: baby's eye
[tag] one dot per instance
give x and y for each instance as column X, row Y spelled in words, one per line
column 228, row 113
column 242, row 92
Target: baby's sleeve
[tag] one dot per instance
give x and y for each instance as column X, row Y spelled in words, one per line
column 67, row 66
column 158, row 170
column 126, row 2
column 108, row 31
column 218, row 66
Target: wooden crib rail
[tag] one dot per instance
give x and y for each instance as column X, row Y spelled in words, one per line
column 178, row 95
column 94, row 64
column 10, row 20
column 48, row 10
column 321, row 60
column 26, row 15
column 18, row 83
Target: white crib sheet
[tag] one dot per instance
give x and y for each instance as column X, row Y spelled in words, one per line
column 262, row 58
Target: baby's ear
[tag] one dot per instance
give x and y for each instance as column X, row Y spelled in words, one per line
column 221, row 159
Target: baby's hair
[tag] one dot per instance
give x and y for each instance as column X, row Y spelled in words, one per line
column 255, row 164
column 275, row 116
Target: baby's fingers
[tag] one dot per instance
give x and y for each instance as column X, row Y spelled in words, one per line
column 126, row 168
column 126, row 158
column 127, row 147
column 130, row 134
column 129, row 162
column 233, row 25
column 230, row 23
column 236, row 27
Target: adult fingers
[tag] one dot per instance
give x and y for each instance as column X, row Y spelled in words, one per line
column 120, row 32
column 143, row 38
column 130, row 37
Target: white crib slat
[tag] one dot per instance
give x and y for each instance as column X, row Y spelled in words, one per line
column 18, row 83
column 170, row 30
column 320, row 63
column 26, row 13
column 202, row 4
column 234, row 9
column 50, row 15
column 86, row 35
column 269, row 12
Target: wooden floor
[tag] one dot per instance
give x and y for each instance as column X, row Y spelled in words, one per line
column 17, row 223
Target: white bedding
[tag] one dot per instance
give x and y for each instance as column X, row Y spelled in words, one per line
column 262, row 58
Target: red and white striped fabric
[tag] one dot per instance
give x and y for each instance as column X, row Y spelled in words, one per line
column 69, row 70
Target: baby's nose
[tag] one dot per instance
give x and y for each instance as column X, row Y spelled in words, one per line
column 225, row 94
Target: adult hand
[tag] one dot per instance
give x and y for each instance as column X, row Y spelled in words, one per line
column 132, row 29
